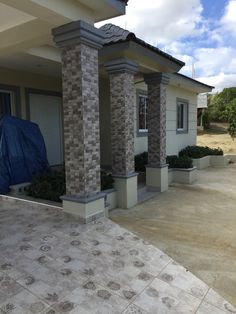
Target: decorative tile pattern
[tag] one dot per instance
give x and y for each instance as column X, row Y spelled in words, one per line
column 90, row 269
column 156, row 119
column 216, row 300
column 81, row 120
column 122, row 91
column 180, row 277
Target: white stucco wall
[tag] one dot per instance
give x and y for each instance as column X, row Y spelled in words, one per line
column 175, row 142
column 24, row 80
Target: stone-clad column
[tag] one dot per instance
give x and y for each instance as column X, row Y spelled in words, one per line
column 80, row 42
column 122, row 98
column 157, row 169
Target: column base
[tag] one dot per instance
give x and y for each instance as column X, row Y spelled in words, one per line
column 127, row 190
column 88, row 209
column 157, row 177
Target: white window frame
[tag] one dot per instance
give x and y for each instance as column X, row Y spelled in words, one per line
column 185, row 116
column 143, row 95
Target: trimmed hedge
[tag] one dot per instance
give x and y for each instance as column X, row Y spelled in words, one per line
column 174, row 161
column 200, row 151
column 141, row 161
column 51, row 185
column 184, row 162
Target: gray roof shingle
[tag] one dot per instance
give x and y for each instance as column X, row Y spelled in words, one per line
column 114, row 34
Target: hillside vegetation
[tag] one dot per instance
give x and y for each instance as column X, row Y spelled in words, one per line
column 222, row 108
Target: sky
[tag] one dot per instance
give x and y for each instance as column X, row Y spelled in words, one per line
column 199, row 32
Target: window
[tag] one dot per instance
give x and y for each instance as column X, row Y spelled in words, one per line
column 182, row 117
column 142, row 113
column 5, row 102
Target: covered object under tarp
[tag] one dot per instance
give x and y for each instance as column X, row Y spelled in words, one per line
column 22, row 152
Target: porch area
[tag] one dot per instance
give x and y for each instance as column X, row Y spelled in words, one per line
column 95, row 112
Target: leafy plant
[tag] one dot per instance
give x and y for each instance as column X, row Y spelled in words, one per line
column 51, row 185
column 230, row 114
column 206, row 120
column 179, row 162
column 217, row 103
column 200, row 151
column 107, row 180
column 141, row 161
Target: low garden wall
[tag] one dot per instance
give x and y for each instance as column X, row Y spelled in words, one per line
column 211, row 161
column 202, row 163
column 110, row 200
column 183, row 176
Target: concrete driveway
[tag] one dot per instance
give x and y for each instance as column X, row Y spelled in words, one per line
column 195, row 225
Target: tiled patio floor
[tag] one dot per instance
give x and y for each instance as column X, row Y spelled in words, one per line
column 49, row 263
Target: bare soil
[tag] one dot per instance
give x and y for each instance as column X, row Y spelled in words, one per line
column 216, row 137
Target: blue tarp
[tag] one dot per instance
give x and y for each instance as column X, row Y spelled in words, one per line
column 22, row 152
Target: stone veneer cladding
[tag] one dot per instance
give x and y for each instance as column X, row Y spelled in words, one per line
column 156, row 118
column 81, row 120
column 122, row 93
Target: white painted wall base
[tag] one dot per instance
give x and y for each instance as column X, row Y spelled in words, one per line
column 86, row 211
column 211, row 161
column 184, row 176
column 202, row 163
column 231, row 158
column 127, row 191
column 219, row 161
column 110, row 200
column 157, row 177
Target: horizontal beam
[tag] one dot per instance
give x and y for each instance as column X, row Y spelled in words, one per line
column 56, row 12
column 46, row 52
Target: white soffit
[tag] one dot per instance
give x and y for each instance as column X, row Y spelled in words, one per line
column 11, row 17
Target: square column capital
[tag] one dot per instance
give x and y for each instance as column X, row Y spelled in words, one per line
column 78, row 32
column 121, row 65
column 156, row 78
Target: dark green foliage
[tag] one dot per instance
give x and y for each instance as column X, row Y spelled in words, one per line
column 48, row 186
column 200, row 151
column 106, row 180
column 230, row 113
column 206, row 120
column 51, row 185
column 217, row 103
column 179, row 162
column 141, row 161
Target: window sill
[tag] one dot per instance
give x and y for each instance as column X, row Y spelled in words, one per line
column 142, row 133
column 181, row 131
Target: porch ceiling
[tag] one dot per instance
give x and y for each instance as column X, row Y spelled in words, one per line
column 27, row 24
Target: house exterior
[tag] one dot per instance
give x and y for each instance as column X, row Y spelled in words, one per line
column 201, row 108
column 99, row 96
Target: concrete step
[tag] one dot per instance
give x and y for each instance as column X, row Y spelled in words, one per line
column 145, row 193
column 19, row 189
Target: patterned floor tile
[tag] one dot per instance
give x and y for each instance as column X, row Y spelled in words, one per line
column 160, row 297
column 206, row 308
column 178, row 276
column 215, row 299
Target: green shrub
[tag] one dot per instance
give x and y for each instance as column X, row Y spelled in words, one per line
column 48, row 186
column 141, row 161
column 106, row 180
column 206, row 120
column 179, row 162
column 51, row 185
column 200, row 151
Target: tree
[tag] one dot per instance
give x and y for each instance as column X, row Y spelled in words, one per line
column 230, row 114
column 217, row 103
